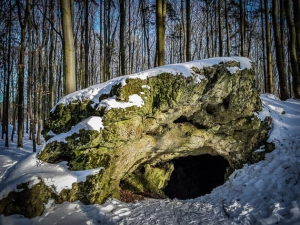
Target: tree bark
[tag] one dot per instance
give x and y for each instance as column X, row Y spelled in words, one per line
column 296, row 82
column 184, row 32
column 292, row 48
column 280, row 59
column 122, row 37
column 220, row 27
column 227, row 30
column 263, row 48
column 21, row 71
column 86, row 45
column 188, row 30
column 51, row 58
column 68, row 46
column 161, row 8
column 270, row 82
column 242, row 28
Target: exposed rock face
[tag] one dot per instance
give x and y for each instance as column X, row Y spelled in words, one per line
column 212, row 110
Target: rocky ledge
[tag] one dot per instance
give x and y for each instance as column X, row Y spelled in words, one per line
column 135, row 126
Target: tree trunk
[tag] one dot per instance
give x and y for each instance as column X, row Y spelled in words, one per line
column 51, row 58
column 280, row 59
column 21, row 71
column 188, row 30
column 8, row 76
column 86, row 45
column 122, row 37
column 14, row 120
column 270, row 82
column 68, row 46
column 292, row 48
column 264, row 49
column 102, row 74
column 161, row 8
column 227, row 30
column 242, row 28
column 220, row 27
column 296, row 82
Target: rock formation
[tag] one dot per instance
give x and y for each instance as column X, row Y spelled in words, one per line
column 134, row 126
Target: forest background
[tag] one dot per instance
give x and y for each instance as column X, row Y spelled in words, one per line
column 49, row 48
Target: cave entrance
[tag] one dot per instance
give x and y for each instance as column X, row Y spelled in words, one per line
column 194, row 176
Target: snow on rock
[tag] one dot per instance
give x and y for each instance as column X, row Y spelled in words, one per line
column 134, row 100
column 32, row 170
column 94, row 92
column 91, row 123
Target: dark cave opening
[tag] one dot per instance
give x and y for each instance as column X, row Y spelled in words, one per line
column 195, row 176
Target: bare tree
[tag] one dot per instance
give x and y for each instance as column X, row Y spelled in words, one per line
column 23, row 23
column 68, row 46
column 280, row 59
column 161, row 9
column 270, row 82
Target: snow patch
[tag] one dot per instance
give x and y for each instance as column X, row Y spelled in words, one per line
column 110, row 103
column 91, row 123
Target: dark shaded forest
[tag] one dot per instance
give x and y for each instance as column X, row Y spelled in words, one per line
column 49, row 48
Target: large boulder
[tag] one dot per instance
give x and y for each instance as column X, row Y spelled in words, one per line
column 135, row 125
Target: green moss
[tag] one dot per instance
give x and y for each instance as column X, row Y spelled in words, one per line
column 64, row 117
column 32, row 205
column 90, row 159
column 179, row 117
column 84, row 139
column 55, row 152
column 149, row 178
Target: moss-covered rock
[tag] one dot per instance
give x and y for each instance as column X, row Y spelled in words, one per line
column 211, row 110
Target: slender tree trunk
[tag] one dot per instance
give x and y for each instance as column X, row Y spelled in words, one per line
column 51, row 58
column 263, row 48
column 122, row 37
column 280, row 59
column 220, row 27
column 207, row 7
column 34, row 107
column 242, row 28
column 292, row 48
column 270, row 82
column 86, row 45
column 282, row 38
column 5, row 114
column 227, row 30
column 8, row 76
column 40, row 95
column 68, row 46
column 188, row 30
column 102, row 74
column 14, row 120
column 146, row 32
column 21, row 71
column 296, row 7
column 161, row 8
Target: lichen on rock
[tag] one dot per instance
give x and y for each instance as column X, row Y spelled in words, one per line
column 195, row 108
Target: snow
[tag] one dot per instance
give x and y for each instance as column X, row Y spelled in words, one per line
column 91, row 123
column 94, row 92
column 267, row 192
column 134, row 100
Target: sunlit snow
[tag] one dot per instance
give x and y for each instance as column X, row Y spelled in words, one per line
column 94, row 92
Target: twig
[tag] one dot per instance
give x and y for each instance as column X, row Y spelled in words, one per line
column 224, row 208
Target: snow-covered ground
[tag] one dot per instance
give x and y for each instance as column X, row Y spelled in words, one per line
column 267, row 192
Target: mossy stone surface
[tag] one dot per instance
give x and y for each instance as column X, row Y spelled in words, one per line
column 180, row 117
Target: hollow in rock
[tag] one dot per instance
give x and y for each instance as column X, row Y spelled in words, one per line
column 195, row 176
